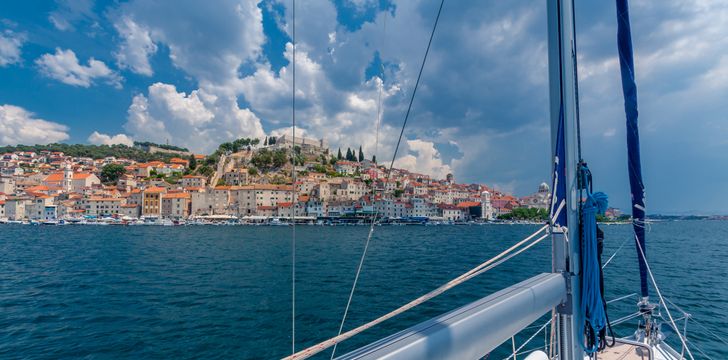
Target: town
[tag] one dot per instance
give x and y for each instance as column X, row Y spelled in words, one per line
column 245, row 181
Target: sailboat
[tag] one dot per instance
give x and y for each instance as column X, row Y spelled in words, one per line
column 571, row 292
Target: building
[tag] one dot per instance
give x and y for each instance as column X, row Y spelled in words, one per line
column 450, row 212
column 7, row 184
column 100, row 206
column 307, row 145
column 487, row 211
column 237, row 177
column 129, row 210
column 346, row 167
column 152, row 201
column 176, row 205
column 71, row 181
column 539, row 200
column 193, row 181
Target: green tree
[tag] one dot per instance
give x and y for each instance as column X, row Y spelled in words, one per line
column 374, row 159
column 265, row 142
column 348, row 154
column 193, row 162
column 255, row 142
column 272, row 140
column 252, row 171
column 361, row 154
column 279, row 158
column 112, row 172
column 205, row 170
column 338, row 156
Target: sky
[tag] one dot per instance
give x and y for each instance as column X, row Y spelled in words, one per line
column 196, row 74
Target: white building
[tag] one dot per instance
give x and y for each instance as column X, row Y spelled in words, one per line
column 488, row 213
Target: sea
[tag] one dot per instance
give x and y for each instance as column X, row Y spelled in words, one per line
column 224, row 292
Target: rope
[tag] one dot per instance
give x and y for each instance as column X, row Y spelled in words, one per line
column 592, row 304
column 391, row 165
column 495, row 261
column 662, row 300
column 293, row 176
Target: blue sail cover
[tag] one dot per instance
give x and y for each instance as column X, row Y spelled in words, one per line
column 558, row 187
column 629, row 88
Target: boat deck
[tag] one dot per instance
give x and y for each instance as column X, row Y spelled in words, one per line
column 623, row 351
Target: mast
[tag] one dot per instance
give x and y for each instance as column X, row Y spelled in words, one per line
column 637, row 187
column 565, row 147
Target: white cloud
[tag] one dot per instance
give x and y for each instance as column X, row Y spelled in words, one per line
column 10, row 44
column 98, row 138
column 136, row 48
column 70, row 11
column 65, row 67
column 199, row 120
column 423, row 158
column 19, row 126
column 210, row 43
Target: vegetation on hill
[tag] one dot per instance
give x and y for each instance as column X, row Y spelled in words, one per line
column 161, row 146
column 111, row 173
column 530, row 214
column 93, row 151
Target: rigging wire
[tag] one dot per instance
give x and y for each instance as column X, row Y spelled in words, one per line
column 491, row 263
column 662, row 300
column 615, row 253
column 293, row 185
column 518, row 350
column 374, row 190
column 391, row 165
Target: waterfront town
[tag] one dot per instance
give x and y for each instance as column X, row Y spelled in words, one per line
column 245, row 181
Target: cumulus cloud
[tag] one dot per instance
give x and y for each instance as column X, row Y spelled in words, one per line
column 65, row 67
column 10, row 44
column 198, row 120
column 136, row 47
column 19, row 126
column 207, row 42
column 98, row 138
column 423, row 158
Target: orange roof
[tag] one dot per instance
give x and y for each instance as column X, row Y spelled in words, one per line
column 193, row 177
column 468, row 204
column 176, row 196
column 178, row 161
column 129, row 205
column 101, row 198
column 198, row 156
column 155, row 189
column 2, row 202
column 38, row 188
column 285, row 204
column 58, row 176
column 193, row 188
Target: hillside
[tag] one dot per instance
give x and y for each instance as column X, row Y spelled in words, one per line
column 92, row 151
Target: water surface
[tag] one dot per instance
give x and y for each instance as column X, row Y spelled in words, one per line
column 225, row 292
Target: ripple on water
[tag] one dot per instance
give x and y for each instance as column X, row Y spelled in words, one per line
column 224, row 292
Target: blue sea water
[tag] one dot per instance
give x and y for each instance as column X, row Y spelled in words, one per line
column 106, row 292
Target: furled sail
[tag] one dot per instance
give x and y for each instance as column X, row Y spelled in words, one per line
column 629, row 89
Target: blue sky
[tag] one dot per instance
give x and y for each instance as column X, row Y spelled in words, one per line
column 85, row 71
